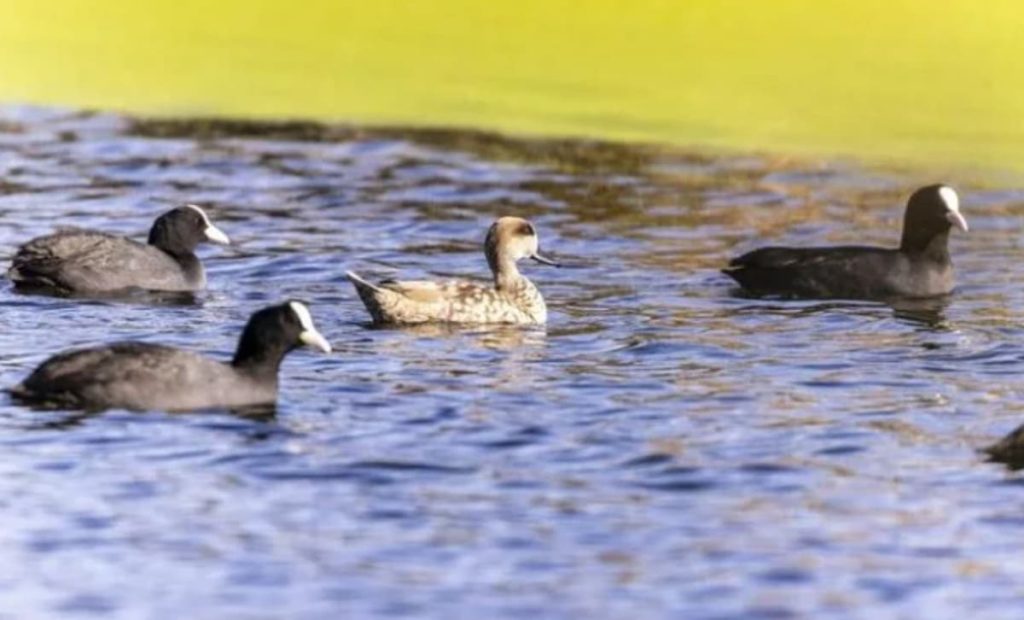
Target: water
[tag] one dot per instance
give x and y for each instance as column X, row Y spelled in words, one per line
column 663, row 448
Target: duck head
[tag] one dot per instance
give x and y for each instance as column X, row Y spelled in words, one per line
column 511, row 239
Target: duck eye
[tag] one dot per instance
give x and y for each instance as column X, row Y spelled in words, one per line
column 526, row 230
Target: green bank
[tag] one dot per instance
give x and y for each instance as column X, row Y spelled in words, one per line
column 912, row 81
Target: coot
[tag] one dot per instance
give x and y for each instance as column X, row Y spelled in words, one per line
column 143, row 376
column 87, row 261
column 919, row 267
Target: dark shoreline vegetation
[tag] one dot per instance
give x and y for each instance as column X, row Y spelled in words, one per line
column 564, row 153
column 568, row 154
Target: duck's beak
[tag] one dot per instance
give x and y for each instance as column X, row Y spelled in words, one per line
column 313, row 338
column 537, row 256
column 216, row 235
column 956, row 219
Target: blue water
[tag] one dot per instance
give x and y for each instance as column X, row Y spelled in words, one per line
column 664, row 448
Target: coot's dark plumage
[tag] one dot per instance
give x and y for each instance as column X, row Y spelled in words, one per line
column 920, row 267
column 142, row 376
column 87, row 261
column 1009, row 450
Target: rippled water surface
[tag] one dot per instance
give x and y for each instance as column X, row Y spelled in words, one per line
column 664, row 448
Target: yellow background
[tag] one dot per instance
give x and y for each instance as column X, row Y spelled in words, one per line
column 911, row 80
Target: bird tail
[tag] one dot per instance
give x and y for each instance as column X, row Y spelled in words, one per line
column 360, row 283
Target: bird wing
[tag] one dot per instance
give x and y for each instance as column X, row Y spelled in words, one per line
column 783, row 257
column 422, row 291
column 85, row 260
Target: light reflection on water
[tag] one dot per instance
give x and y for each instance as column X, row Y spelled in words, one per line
column 663, row 448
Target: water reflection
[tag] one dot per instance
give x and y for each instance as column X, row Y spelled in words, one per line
column 511, row 337
column 128, row 295
column 925, row 312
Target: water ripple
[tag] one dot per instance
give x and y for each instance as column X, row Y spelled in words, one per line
column 665, row 447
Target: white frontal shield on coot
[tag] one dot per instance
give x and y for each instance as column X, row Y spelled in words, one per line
column 309, row 336
column 212, row 233
column 952, row 201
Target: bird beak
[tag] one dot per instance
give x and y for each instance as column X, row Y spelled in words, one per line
column 216, row 235
column 544, row 260
column 312, row 338
column 957, row 220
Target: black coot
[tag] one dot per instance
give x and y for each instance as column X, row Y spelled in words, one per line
column 87, row 261
column 142, row 376
column 1009, row 450
column 920, row 267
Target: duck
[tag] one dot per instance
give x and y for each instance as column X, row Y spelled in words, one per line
column 81, row 261
column 919, row 268
column 141, row 376
column 512, row 299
